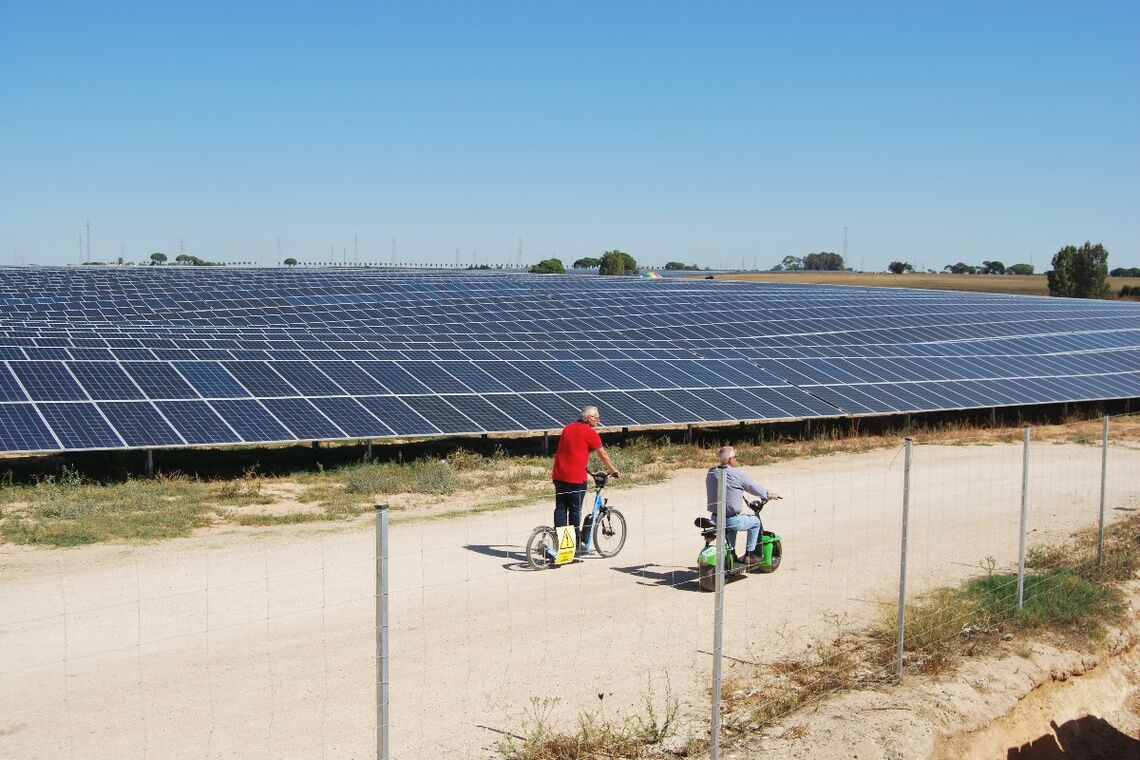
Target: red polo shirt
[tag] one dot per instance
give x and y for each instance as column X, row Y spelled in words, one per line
column 574, row 447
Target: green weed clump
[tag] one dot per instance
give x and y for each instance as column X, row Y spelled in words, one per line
column 70, row 512
column 432, row 476
column 1065, row 592
column 1060, row 600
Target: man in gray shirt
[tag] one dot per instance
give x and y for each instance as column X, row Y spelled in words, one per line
column 736, row 482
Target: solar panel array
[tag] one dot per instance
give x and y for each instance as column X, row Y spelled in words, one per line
column 156, row 357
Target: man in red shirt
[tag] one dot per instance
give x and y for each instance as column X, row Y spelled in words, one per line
column 578, row 439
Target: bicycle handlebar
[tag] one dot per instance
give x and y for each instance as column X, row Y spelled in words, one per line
column 601, row 477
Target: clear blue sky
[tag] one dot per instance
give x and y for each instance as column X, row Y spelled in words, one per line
column 709, row 133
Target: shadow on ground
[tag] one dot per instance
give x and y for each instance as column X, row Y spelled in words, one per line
column 1087, row 738
column 684, row 579
column 515, row 554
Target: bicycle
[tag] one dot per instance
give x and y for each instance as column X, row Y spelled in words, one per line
column 603, row 531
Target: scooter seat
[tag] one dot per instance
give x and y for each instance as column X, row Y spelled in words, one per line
column 704, row 523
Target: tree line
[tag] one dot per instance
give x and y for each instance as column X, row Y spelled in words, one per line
column 611, row 263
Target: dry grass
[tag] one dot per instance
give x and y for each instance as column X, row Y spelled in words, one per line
column 754, row 696
column 597, row 735
column 1025, row 285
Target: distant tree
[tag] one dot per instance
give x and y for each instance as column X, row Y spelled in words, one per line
column 587, row 262
column 548, row 266
column 824, row 260
column 290, row 262
column 789, row 264
column 1123, row 272
column 617, row 263
column 1080, row 272
column 960, row 268
column 1019, row 269
column 678, row 266
column 898, row 267
column 157, row 258
column 993, row 267
column 1127, row 291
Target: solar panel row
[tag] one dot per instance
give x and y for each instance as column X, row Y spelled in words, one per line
column 141, row 358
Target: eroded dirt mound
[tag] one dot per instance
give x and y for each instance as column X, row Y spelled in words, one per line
column 1034, row 702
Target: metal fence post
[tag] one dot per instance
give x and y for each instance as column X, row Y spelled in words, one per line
column 1103, row 482
column 1024, row 515
column 718, row 618
column 382, row 673
column 901, row 642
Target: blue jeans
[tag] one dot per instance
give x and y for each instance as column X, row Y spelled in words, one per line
column 750, row 523
column 568, row 505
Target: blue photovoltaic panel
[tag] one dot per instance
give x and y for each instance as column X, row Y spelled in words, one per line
column 515, row 347
column 211, row 380
column 105, row 381
column 259, row 379
column 642, row 373
column 397, row 415
column 556, row 405
column 511, row 376
column 435, row 377
column 47, row 381
column 140, row 424
column 351, row 379
column 736, row 409
column 303, row 419
column 613, row 408
column 443, row 415
column 759, row 409
column 581, row 375
column 474, row 378
column 700, row 404
column 526, row 413
column 352, row 418
column 393, row 377
column 663, row 402
column 486, row 414
column 159, row 380
column 9, row 389
column 80, row 426
column 21, row 429
column 251, row 420
column 631, row 405
column 196, row 422
column 307, row 379
column 547, row 376
column 615, row 378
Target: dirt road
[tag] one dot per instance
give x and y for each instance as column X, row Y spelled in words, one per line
column 261, row 644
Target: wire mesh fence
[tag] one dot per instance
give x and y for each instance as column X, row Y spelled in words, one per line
column 265, row 643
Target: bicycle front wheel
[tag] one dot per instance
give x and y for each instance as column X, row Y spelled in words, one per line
column 541, row 548
column 609, row 532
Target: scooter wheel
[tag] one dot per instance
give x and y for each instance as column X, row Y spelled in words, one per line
column 706, row 577
column 541, row 548
column 777, row 551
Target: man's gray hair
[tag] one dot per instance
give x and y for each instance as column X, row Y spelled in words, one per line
column 589, row 411
column 726, row 453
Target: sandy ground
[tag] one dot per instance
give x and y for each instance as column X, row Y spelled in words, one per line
column 236, row 644
column 1029, row 701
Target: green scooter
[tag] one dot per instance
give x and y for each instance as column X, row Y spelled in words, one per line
column 733, row 565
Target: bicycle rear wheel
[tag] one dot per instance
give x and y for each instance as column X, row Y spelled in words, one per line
column 609, row 532
column 541, row 548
